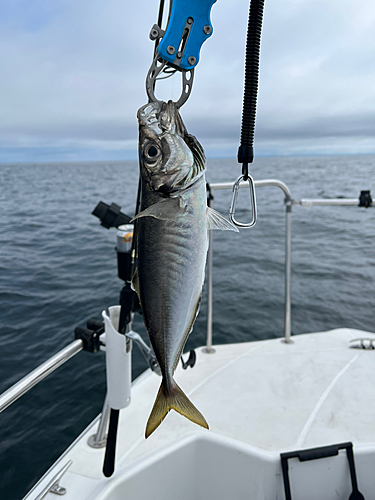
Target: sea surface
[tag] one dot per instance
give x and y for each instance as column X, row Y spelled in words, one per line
column 58, row 268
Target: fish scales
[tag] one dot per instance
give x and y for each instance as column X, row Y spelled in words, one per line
column 172, row 244
column 168, row 274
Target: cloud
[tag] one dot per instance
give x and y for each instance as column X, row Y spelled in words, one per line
column 73, row 77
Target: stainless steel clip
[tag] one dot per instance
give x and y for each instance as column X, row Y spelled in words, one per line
column 253, row 203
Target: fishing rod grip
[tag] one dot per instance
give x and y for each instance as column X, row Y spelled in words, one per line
column 110, row 450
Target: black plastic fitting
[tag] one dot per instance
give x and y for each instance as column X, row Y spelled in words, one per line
column 94, row 324
column 245, row 154
column 190, row 361
column 110, row 215
column 365, row 199
column 210, row 196
column 90, row 339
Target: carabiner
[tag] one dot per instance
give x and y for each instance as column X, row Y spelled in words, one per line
column 253, row 203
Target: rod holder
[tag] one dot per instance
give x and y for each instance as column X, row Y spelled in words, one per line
column 118, row 361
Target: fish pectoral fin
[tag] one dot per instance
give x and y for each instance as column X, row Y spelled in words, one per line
column 177, row 401
column 217, row 221
column 165, row 209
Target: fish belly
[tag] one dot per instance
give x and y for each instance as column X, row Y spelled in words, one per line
column 171, row 262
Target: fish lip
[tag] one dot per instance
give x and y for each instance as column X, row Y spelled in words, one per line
column 158, row 113
column 149, row 112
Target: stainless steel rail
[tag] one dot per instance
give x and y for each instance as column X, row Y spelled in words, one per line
column 327, row 202
column 289, row 202
column 261, row 183
column 288, row 246
column 99, row 439
column 53, row 485
column 34, row 377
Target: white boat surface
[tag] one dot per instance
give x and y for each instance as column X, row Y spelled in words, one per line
column 260, row 399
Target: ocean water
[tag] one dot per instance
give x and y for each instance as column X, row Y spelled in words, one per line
column 58, row 268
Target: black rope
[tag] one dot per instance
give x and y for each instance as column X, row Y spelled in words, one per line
column 254, row 29
column 138, row 202
column 210, row 196
column 134, row 242
column 160, row 20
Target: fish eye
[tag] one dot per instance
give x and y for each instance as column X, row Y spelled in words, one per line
column 151, row 151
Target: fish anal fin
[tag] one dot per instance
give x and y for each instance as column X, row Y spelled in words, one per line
column 188, row 330
column 135, row 281
column 175, row 400
column 165, row 209
column 217, row 221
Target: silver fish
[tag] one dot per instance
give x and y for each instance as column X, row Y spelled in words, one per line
column 172, row 244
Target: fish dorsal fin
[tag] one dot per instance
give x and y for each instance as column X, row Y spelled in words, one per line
column 165, row 209
column 217, row 221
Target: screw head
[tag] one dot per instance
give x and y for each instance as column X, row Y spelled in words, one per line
column 154, row 33
column 190, row 20
column 171, row 50
column 207, row 29
column 191, row 60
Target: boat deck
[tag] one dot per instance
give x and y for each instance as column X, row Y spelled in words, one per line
column 273, row 396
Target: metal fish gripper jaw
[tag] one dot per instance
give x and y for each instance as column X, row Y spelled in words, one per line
column 178, row 47
column 158, row 66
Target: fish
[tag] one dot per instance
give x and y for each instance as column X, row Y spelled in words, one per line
column 171, row 246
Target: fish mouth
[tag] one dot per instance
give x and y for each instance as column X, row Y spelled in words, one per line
column 159, row 116
column 168, row 118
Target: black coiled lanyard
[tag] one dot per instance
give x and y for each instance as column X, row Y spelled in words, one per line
column 246, row 148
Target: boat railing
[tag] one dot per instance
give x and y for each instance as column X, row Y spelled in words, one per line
column 289, row 202
column 41, row 372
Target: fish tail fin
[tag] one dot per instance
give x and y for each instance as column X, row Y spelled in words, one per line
column 174, row 400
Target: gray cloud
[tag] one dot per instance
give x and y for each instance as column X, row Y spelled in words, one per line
column 73, row 77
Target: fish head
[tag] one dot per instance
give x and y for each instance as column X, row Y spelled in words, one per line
column 170, row 159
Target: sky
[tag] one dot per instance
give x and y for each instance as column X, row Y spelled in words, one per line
column 73, row 76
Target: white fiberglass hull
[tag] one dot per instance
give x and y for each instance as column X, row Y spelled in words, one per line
column 260, row 399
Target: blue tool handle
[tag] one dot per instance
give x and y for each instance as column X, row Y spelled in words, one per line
column 199, row 30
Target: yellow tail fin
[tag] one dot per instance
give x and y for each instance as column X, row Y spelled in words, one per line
column 177, row 401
